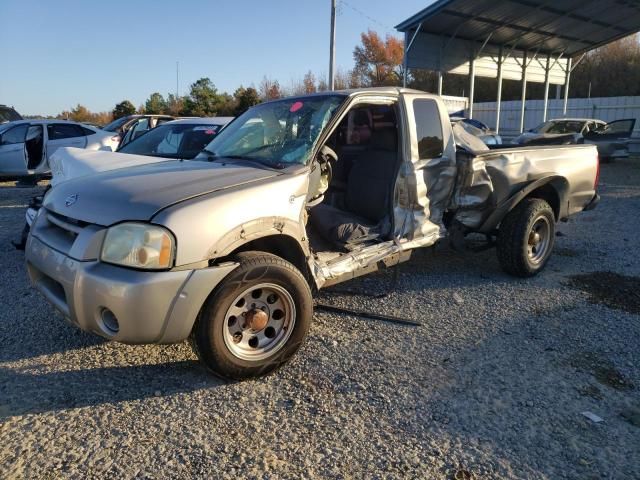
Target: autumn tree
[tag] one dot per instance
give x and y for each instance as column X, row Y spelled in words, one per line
column 80, row 113
column 123, row 109
column 378, row 62
column 155, row 104
column 270, row 89
column 174, row 105
column 309, row 82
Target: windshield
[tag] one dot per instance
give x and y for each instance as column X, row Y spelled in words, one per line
column 116, row 124
column 173, row 140
column 277, row 133
column 8, row 114
column 568, row 126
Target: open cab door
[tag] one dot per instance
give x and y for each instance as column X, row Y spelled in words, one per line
column 616, row 130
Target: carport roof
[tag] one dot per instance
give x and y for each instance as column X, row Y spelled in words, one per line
column 570, row 27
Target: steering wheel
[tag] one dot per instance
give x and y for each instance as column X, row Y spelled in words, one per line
column 321, row 175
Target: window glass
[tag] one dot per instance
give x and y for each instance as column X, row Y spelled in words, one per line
column 87, row 131
column 564, row 126
column 282, row 132
column 15, row 134
column 173, row 141
column 617, row 127
column 116, row 124
column 428, row 129
column 8, row 114
column 58, row 131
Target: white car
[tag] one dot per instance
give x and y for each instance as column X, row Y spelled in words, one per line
column 27, row 145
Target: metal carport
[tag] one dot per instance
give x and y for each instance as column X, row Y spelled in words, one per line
column 528, row 40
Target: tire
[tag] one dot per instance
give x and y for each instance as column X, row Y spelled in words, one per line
column 230, row 335
column 526, row 238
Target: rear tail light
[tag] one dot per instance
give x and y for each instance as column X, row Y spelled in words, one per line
column 595, row 184
column 115, row 138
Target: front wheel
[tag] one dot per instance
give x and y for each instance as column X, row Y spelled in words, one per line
column 256, row 319
column 526, row 238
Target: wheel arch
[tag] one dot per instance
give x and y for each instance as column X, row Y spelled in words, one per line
column 281, row 244
column 552, row 188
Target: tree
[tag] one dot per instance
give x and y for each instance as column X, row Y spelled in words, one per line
column 378, row 62
column 309, row 82
column 174, row 105
column 245, row 98
column 613, row 69
column 269, row 89
column 203, row 99
column 80, row 113
column 123, row 109
column 155, row 104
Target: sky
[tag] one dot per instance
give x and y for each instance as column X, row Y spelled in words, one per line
column 57, row 54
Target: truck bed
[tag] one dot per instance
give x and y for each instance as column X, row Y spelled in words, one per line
column 487, row 181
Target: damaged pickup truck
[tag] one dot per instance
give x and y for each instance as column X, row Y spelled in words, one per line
column 292, row 196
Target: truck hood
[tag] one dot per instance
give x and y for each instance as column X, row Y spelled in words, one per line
column 137, row 193
column 69, row 162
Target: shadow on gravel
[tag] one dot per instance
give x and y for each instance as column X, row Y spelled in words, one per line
column 48, row 392
column 38, row 338
column 617, row 291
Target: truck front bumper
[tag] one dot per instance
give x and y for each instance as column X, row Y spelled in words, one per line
column 118, row 303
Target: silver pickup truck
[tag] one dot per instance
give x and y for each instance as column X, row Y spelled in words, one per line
column 292, row 196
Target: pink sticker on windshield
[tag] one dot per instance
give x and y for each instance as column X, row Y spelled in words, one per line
column 296, row 106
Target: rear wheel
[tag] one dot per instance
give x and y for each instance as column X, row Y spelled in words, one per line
column 256, row 319
column 526, row 238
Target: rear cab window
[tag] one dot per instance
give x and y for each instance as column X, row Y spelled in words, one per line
column 429, row 136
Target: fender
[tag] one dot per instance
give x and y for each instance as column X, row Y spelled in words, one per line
column 256, row 229
column 559, row 184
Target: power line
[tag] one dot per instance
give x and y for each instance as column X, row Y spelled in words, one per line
column 363, row 14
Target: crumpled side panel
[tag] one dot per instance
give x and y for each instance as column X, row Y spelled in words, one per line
column 474, row 198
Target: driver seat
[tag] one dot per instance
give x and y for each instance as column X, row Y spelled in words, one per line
column 368, row 195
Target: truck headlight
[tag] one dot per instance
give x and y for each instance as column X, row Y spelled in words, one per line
column 139, row 245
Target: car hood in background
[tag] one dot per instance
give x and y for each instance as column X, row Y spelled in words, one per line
column 137, row 193
column 540, row 138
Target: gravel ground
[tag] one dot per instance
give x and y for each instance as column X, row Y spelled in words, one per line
column 493, row 385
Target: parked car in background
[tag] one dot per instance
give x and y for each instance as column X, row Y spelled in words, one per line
column 132, row 126
column 27, row 145
column 8, row 114
column 559, row 131
column 477, row 129
column 180, row 139
column 611, row 138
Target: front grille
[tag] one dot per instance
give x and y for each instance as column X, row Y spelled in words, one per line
column 68, row 225
column 58, row 231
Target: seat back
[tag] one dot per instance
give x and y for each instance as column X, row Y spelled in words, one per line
column 372, row 177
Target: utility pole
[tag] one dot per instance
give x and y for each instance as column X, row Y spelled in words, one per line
column 177, row 77
column 332, row 47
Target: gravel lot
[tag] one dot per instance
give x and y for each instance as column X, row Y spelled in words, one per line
column 492, row 385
